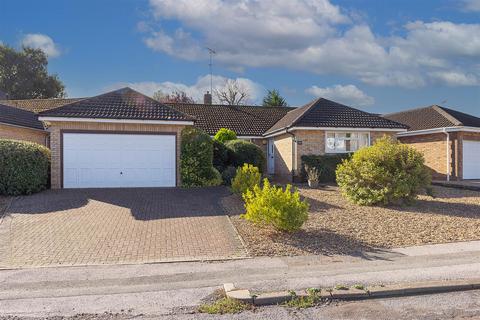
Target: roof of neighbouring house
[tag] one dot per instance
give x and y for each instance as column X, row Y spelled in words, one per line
column 244, row 120
column 433, row 117
column 124, row 103
column 18, row 117
column 39, row 105
column 325, row 113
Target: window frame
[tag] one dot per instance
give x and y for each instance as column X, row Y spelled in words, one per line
column 328, row 151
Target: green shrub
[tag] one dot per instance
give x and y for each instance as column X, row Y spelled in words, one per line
column 275, row 206
column 228, row 174
column 246, row 177
column 223, row 135
column 325, row 164
column 196, row 161
column 224, row 306
column 24, row 167
column 387, row 172
column 221, row 156
column 246, row 152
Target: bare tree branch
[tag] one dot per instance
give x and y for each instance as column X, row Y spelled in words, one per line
column 233, row 93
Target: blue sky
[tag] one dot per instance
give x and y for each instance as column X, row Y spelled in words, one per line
column 381, row 56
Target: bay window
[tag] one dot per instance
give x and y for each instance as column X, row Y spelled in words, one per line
column 344, row 142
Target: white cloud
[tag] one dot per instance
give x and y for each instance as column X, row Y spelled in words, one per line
column 470, row 5
column 348, row 94
column 315, row 36
column 196, row 90
column 43, row 42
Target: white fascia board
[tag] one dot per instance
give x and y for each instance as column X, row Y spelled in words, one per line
column 283, row 131
column 67, row 119
column 438, row 130
column 22, row 127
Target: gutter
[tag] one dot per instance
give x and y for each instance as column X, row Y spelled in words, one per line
column 448, row 152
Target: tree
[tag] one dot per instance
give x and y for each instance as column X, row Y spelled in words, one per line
column 176, row 96
column 233, row 93
column 24, row 75
column 274, row 99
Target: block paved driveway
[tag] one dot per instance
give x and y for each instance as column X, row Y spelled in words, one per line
column 107, row 226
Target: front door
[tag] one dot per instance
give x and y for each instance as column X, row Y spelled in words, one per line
column 271, row 156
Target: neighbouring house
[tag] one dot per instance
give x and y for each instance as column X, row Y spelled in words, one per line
column 23, row 125
column 449, row 140
column 126, row 139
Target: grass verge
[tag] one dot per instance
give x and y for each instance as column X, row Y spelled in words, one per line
column 224, row 306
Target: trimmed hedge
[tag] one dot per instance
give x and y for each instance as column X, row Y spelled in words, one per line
column 24, row 167
column 196, row 161
column 326, row 165
column 246, row 152
column 221, row 156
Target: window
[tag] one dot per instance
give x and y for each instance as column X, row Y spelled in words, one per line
column 343, row 142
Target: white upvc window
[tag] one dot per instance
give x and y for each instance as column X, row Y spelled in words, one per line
column 344, row 142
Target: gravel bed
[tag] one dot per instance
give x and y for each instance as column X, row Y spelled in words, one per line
column 336, row 226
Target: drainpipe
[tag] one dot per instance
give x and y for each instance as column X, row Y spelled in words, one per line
column 448, row 153
column 294, row 153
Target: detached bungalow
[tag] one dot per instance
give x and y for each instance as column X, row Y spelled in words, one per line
column 126, row 139
column 449, row 140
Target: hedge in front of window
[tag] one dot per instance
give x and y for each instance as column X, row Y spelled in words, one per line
column 24, row 167
column 326, row 165
column 385, row 173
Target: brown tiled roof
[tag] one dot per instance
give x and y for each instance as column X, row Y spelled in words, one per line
column 244, row 120
column 39, row 105
column 433, row 117
column 124, row 103
column 18, row 117
column 325, row 113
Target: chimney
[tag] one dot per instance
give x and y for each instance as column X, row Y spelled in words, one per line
column 207, row 98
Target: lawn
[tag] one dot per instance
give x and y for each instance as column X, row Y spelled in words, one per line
column 336, row 226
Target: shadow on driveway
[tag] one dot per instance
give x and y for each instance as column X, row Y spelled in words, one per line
column 143, row 203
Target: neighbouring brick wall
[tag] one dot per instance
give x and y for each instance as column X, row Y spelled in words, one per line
column 24, row 134
column 374, row 135
column 55, row 140
column 434, row 149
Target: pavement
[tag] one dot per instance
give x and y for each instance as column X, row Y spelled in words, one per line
column 169, row 289
column 118, row 226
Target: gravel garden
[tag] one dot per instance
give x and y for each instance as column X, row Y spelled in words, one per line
column 336, row 226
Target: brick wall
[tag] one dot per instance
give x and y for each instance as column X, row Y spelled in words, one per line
column 283, row 157
column 55, row 140
column 24, row 134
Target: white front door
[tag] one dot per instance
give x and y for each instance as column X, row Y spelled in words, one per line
column 118, row 160
column 271, row 156
column 471, row 159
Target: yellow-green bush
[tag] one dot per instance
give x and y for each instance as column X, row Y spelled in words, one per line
column 223, row 135
column 24, row 167
column 275, row 206
column 246, row 178
column 387, row 172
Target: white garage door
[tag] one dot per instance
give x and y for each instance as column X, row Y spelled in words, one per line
column 118, row 160
column 471, row 159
